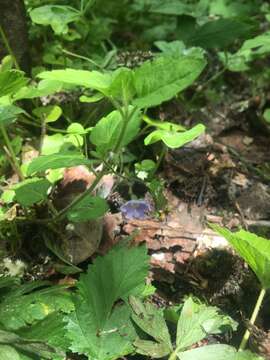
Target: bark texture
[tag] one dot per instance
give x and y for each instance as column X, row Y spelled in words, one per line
column 13, row 22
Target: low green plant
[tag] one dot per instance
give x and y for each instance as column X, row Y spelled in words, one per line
column 130, row 92
column 255, row 250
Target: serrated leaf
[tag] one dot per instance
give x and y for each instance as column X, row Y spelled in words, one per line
column 174, row 139
column 8, row 113
column 57, row 16
column 98, row 328
column 31, row 191
column 89, row 79
column 17, row 308
column 196, row 321
column 217, row 352
column 174, row 75
column 11, row 81
column 50, row 330
column 56, row 161
column 106, row 132
column 151, row 321
column 255, row 250
column 90, row 208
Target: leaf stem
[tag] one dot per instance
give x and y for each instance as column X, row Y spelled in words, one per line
column 13, row 159
column 8, row 47
column 79, row 198
column 173, row 355
column 252, row 319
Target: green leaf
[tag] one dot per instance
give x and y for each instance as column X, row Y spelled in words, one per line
column 255, row 250
column 76, row 129
column 40, row 349
column 57, row 16
column 99, row 328
column 217, row 352
column 8, row 353
column 50, row 330
column 196, row 321
column 89, row 79
column 56, row 161
column 91, row 99
column 44, row 88
column 11, row 81
column 89, row 208
column 266, row 115
column 173, row 7
column 163, row 125
column 106, row 132
column 8, row 113
column 122, row 86
column 49, row 113
column 31, row 191
column 52, row 144
column 174, row 75
column 174, row 139
column 220, row 33
column 18, row 309
column 152, row 322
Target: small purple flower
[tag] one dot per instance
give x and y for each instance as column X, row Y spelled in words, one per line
column 136, row 209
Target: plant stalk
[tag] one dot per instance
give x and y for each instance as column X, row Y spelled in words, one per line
column 13, row 159
column 8, row 47
column 252, row 319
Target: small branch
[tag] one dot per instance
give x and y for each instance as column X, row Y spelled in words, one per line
column 8, row 47
column 14, row 162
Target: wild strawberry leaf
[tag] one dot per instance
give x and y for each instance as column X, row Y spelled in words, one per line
column 152, row 322
column 217, row 352
column 196, row 321
column 99, row 328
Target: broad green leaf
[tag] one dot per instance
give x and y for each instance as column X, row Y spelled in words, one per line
column 122, row 86
column 56, row 161
column 174, row 75
column 11, row 81
column 172, row 7
column 107, row 131
column 217, row 352
column 76, row 129
column 36, row 348
column 174, row 139
column 51, row 330
column 18, row 309
column 52, row 144
column 31, row 191
column 178, row 49
column 257, row 47
column 266, row 115
column 255, row 250
column 220, row 33
column 8, row 352
column 163, row 125
column 44, row 88
column 89, row 79
column 57, row 16
column 90, row 208
column 196, row 321
column 49, row 113
column 91, row 99
column 99, row 328
column 8, row 113
column 151, row 320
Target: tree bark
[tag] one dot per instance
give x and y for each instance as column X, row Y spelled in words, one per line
column 13, row 23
